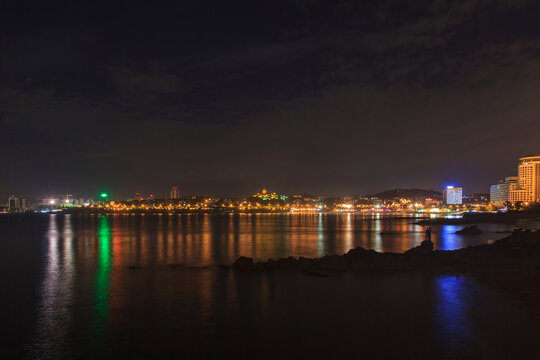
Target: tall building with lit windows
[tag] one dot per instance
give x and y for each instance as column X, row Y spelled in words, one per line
column 453, row 195
column 500, row 193
column 175, row 193
column 528, row 187
column 13, row 203
column 16, row 204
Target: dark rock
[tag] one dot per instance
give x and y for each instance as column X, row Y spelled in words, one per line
column 306, row 264
column 243, row 263
column 259, row 267
column 520, row 250
column 425, row 248
column 360, row 258
column 286, row 263
column 421, row 256
column 470, row 230
column 315, row 274
column 270, row 264
column 334, row 262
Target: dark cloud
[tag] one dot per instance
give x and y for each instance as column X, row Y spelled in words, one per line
column 224, row 97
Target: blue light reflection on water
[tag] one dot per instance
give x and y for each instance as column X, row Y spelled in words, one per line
column 450, row 312
column 449, row 240
column 474, row 321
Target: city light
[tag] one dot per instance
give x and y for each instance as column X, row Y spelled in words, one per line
column 512, row 193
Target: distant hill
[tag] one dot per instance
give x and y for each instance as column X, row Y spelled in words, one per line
column 408, row 193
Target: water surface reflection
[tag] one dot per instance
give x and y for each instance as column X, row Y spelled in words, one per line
column 101, row 292
column 473, row 321
column 130, row 286
column 201, row 239
column 55, row 315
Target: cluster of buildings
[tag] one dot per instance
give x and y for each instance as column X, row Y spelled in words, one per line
column 521, row 189
column 16, row 204
column 19, row 204
column 175, row 193
column 265, row 201
column 265, row 195
column 524, row 188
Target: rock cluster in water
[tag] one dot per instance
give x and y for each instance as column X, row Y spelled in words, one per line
column 520, row 248
column 470, row 230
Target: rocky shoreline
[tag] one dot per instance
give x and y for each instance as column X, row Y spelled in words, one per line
column 520, row 249
column 512, row 263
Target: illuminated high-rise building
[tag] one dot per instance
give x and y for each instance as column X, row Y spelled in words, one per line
column 500, row 193
column 529, row 177
column 527, row 188
column 175, row 193
column 453, row 195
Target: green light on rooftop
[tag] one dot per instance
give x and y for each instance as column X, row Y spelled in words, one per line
column 104, row 195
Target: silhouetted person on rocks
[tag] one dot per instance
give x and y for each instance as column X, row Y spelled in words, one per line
column 428, row 234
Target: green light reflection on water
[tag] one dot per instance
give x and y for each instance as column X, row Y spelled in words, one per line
column 101, row 294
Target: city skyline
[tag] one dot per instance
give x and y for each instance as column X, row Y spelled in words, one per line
column 522, row 188
column 167, row 195
column 128, row 189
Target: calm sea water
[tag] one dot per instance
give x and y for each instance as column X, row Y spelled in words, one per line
column 147, row 287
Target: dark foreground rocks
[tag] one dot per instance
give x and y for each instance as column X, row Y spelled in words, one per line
column 520, row 249
column 512, row 263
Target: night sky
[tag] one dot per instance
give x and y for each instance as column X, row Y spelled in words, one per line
column 226, row 97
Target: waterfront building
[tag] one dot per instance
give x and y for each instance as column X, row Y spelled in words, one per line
column 476, row 199
column 265, row 195
column 175, row 193
column 529, row 177
column 518, row 195
column 58, row 201
column 16, row 204
column 453, row 195
column 429, row 202
column 500, row 193
column 527, row 188
column 13, row 203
